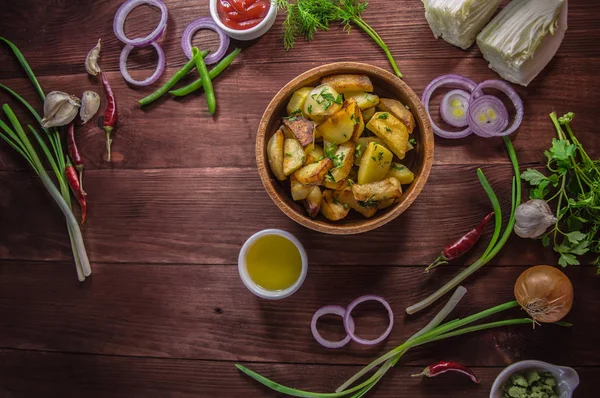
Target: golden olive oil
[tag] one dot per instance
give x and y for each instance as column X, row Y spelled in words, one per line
column 273, row 262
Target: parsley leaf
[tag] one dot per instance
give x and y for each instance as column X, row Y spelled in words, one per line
column 383, row 116
column 533, row 177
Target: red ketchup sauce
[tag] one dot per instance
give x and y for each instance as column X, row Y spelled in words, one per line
column 242, row 14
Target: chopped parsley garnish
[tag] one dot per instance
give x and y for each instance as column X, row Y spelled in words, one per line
column 337, row 159
column 380, row 156
column 294, row 115
column 383, row 116
column 398, row 167
column 310, row 109
column 350, row 182
column 326, row 99
column 389, row 130
column 358, row 151
column 288, row 154
column 413, row 141
column 369, row 202
column 346, row 206
column 374, row 159
column 335, row 201
column 330, row 176
column 354, row 120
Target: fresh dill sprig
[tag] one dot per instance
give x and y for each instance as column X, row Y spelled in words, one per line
column 305, row 17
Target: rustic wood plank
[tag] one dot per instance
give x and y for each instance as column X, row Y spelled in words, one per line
column 203, row 216
column 69, row 30
column 180, row 133
column 206, row 313
column 65, row 376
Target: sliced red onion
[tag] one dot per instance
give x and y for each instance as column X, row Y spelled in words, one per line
column 348, row 317
column 488, row 117
column 511, row 94
column 452, row 81
column 454, row 106
column 123, row 12
column 205, row 23
column 160, row 68
column 330, row 310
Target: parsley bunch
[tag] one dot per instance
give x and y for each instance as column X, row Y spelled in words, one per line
column 574, row 184
column 306, row 17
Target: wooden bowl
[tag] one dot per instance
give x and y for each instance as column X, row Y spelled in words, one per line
column 418, row 160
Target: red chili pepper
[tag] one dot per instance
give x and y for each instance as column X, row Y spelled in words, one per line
column 462, row 245
column 75, row 186
column 443, row 367
column 74, row 152
column 110, row 115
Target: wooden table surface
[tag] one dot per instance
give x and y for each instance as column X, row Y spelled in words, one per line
column 165, row 313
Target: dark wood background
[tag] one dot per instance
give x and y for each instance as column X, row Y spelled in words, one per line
column 165, row 313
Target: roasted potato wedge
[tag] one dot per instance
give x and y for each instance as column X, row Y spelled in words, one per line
column 361, row 146
column 293, row 156
column 374, row 164
column 401, row 173
column 312, row 204
column 297, row 101
column 299, row 191
column 391, row 130
column 275, row 155
column 398, row 109
column 367, row 114
column 314, row 154
column 322, row 102
column 331, row 208
column 384, row 204
column 376, row 191
column 363, row 100
column 346, row 197
column 300, row 128
column 340, row 127
column 343, row 160
column 348, row 83
column 359, row 124
column 313, row 174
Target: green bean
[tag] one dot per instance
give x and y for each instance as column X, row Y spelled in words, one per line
column 207, row 83
column 214, row 72
column 172, row 81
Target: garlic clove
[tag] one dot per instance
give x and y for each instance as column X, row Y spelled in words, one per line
column 533, row 219
column 91, row 60
column 60, row 109
column 90, row 103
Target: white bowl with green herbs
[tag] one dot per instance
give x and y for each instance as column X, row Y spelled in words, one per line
column 529, row 379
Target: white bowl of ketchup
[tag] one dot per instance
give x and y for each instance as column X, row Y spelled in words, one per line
column 244, row 19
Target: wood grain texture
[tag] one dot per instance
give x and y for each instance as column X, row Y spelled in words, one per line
column 203, row 216
column 204, row 312
column 421, row 162
column 165, row 313
column 179, row 133
column 72, row 376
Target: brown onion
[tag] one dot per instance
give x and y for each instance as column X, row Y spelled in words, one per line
column 545, row 292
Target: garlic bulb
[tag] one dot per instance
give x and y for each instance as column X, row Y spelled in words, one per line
column 91, row 61
column 90, row 103
column 60, row 109
column 533, row 219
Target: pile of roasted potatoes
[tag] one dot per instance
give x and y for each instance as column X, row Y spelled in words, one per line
column 341, row 146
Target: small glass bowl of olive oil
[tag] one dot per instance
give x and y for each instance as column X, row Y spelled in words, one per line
column 273, row 264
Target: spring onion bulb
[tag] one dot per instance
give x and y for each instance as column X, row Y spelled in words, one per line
column 459, row 21
column 521, row 40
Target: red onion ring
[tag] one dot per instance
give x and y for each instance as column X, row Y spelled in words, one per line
column 511, row 94
column 205, row 23
column 123, row 12
column 446, row 107
column 160, row 68
column 330, row 310
column 453, row 81
column 348, row 317
column 483, row 105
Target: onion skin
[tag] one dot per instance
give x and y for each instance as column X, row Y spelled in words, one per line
column 545, row 292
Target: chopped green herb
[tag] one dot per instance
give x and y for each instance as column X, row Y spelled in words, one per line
column 374, row 159
column 413, row 141
column 346, row 206
column 383, row 116
column 380, row 156
column 350, row 182
column 330, row 176
column 354, row 119
column 398, row 167
column 288, row 154
column 369, row 202
column 358, row 151
column 335, row 201
column 294, row 115
column 389, row 130
column 310, row 109
column 321, row 158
